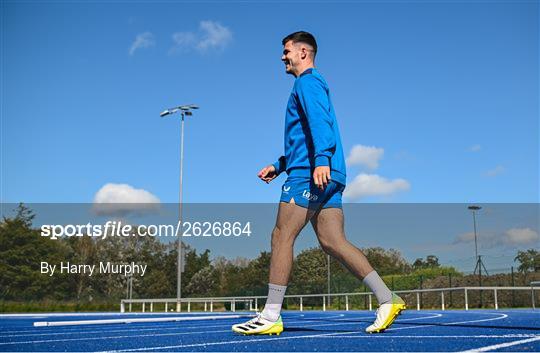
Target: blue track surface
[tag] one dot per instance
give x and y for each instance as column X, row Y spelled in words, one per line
column 330, row 331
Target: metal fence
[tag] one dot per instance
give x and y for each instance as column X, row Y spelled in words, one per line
column 252, row 302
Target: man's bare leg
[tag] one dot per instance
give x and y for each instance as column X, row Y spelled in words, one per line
column 329, row 226
column 290, row 221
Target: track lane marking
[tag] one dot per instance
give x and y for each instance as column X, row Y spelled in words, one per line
column 502, row 345
column 148, row 335
column 503, row 316
column 47, row 329
column 332, row 334
column 517, row 335
column 226, row 342
column 189, row 333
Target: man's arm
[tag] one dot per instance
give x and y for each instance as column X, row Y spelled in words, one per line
column 314, row 100
column 270, row 172
column 280, row 165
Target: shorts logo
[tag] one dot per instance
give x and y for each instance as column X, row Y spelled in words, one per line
column 286, row 189
column 309, row 196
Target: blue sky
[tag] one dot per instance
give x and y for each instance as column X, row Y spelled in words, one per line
column 437, row 101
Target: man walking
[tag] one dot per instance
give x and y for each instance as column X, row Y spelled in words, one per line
column 312, row 192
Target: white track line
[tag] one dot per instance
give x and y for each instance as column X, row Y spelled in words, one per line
column 517, row 335
column 257, row 340
column 503, row 316
column 51, row 329
column 503, row 345
column 418, row 318
column 130, row 321
column 182, row 333
column 54, row 331
column 331, row 335
column 148, row 335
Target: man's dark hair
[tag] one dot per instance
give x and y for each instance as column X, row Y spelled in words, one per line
column 302, row 37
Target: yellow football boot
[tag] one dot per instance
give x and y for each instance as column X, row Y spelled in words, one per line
column 386, row 314
column 259, row 326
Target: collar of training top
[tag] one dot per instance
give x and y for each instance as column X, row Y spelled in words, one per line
column 307, row 72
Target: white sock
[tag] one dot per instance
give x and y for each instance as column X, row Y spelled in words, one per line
column 378, row 287
column 272, row 308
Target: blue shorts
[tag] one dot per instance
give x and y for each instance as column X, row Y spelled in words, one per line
column 306, row 194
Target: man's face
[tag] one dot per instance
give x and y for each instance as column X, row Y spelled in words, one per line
column 291, row 57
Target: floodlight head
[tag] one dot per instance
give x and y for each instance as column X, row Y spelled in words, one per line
column 474, row 208
column 188, row 107
column 185, row 109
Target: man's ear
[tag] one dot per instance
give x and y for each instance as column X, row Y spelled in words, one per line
column 304, row 52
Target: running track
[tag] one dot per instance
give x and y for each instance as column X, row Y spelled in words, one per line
column 330, row 331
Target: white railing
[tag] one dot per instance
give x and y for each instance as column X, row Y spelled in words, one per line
column 534, row 286
column 253, row 301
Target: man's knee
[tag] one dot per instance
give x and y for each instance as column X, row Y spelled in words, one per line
column 331, row 246
column 282, row 237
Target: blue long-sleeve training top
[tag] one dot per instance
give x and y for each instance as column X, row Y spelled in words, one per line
column 311, row 130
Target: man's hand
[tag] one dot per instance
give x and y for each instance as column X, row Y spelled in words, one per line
column 321, row 177
column 267, row 174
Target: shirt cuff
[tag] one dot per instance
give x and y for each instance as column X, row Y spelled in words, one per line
column 322, row 161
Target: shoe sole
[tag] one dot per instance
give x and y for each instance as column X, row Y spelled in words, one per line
column 392, row 319
column 269, row 332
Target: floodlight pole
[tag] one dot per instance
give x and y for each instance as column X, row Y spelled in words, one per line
column 184, row 110
column 180, row 258
column 479, row 262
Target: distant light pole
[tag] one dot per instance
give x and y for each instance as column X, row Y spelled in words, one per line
column 479, row 264
column 185, row 110
column 474, row 209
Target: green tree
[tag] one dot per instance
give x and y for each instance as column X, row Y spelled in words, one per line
column 431, row 261
column 83, row 252
column 309, row 272
column 387, row 262
column 204, row 282
column 529, row 260
column 22, row 250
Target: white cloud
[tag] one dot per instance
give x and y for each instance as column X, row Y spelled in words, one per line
column 374, row 185
column 211, row 35
column 475, row 148
column 511, row 238
column 143, row 40
column 464, row 238
column 121, row 199
column 486, row 240
column 215, row 35
column 184, row 39
column 495, row 171
column 520, row 236
column 367, row 156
